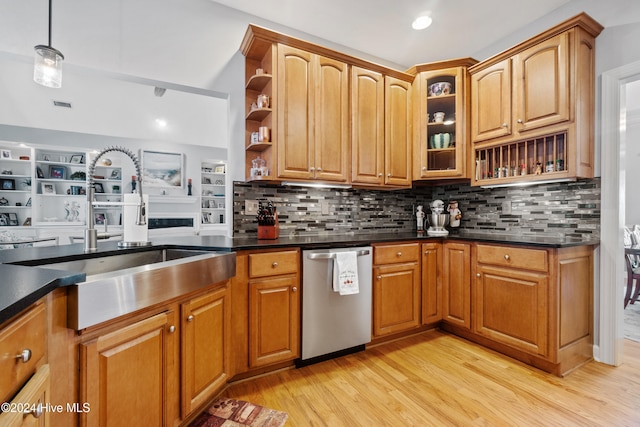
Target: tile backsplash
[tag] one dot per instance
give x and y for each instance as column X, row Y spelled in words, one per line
column 571, row 208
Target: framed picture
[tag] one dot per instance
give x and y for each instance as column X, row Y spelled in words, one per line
column 7, row 184
column 98, row 186
column 57, row 172
column 115, row 174
column 77, row 190
column 48, row 188
column 115, row 189
column 99, row 218
column 28, row 202
column 77, row 159
column 13, row 218
column 5, row 154
column 27, row 222
column 4, row 219
column 39, row 173
column 161, row 169
column 219, row 169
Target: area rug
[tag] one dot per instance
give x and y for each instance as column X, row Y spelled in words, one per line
column 632, row 322
column 226, row 412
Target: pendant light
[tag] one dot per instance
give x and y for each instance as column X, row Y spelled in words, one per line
column 47, row 70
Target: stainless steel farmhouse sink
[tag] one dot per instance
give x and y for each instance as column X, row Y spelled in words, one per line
column 124, row 283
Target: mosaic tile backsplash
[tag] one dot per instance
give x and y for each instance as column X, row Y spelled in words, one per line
column 558, row 209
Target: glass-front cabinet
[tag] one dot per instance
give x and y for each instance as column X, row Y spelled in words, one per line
column 441, row 136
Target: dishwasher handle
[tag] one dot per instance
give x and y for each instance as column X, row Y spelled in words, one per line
column 332, row 255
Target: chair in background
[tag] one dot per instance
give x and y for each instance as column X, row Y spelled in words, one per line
column 632, row 260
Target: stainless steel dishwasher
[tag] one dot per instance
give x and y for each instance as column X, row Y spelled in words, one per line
column 333, row 324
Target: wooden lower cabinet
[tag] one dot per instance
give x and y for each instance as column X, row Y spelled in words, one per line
column 205, row 327
column 431, row 283
column 31, row 398
column 126, row 375
column 396, row 288
column 511, row 307
column 158, row 370
column 533, row 304
column 456, row 288
column 274, row 320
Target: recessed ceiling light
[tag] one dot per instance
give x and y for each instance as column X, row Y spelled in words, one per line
column 162, row 123
column 421, row 22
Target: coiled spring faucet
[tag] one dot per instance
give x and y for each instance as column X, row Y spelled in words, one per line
column 91, row 234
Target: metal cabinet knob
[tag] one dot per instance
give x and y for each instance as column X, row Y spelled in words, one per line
column 379, row 277
column 424, row 168
column 388, row 175
column 520, row 121
column 319, row 169
column 294, row 289
column 25, row 355
column 190, row 318
column 36, row 412
column 172, row 329
column 312, row 169
column 274, row 265
column 504, row 125
column 426, row 252
column 507, row 257
column 477, row 274
column 380, row 174
column 399, row 254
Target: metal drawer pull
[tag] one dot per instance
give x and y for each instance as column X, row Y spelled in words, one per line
column 399, row 254
column 477, row 274
column 190, row 318
column 506, row 257
column 172, row 329
column 274, row 265
column 294, row 289
column 332, row 255
column 25, row 355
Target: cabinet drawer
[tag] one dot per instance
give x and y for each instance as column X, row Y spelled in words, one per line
column 527, row 259
column 273, row 263
column 393, row 254
column 30, row 400
column 24, row 336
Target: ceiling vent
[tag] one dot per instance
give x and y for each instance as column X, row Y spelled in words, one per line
column 62, row 104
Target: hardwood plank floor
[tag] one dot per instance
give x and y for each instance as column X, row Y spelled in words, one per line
column 437, row 379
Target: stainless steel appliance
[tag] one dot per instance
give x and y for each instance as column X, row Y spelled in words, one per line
column 333, row 324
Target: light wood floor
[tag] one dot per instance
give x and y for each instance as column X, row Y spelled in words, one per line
column 436, row 379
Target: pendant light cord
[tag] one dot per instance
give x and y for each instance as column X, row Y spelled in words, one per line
column 50, row 1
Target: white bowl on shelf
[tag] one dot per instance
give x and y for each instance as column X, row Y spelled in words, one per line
column 440, row 140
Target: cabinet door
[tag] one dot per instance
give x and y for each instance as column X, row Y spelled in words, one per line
column 456, row 289
column 397, row 128
column 124, row 375
column 295, row 113
column 367, row 126
column 331, row 148
column 31, row 398
column 274, row 320
column 204, row 347
column 396, row 298
column 541, row 84
column 511, row 307
column 491, row 102
column 431, row 282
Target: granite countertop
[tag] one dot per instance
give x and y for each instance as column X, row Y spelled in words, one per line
column 22, row 285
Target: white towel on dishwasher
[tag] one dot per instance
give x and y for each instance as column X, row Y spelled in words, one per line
column 345, row 273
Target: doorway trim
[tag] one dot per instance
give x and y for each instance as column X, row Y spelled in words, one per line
column 612, row 217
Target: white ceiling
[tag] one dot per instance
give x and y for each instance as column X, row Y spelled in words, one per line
column 382, row 28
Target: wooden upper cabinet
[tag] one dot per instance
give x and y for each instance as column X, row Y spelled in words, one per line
column 332, row 153
column 491, row 102
column 312, row 116
column 295, row 113
column 397, row 126
column 367, row 126
column 541, row 84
